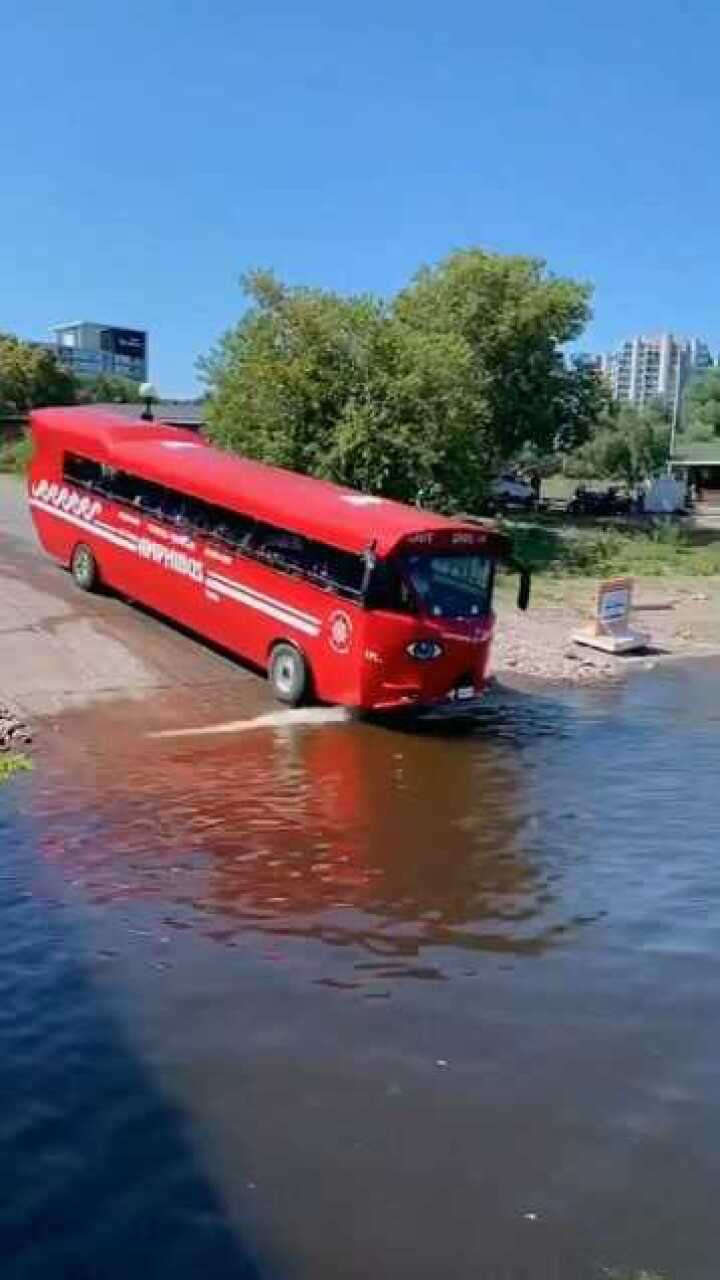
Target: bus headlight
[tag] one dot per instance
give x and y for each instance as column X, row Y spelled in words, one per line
column 425, row 650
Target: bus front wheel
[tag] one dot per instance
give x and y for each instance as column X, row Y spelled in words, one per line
column 84, row 569
column 289, row 675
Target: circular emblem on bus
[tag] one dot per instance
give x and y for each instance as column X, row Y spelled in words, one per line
column 340, row 631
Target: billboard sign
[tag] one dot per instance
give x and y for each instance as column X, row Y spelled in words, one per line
column 124, row 342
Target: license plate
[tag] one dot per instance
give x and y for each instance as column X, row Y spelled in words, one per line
column 465, row 692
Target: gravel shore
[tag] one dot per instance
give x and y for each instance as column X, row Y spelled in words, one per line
column 681, row 619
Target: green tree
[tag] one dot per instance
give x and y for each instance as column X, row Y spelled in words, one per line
column 279, row 380
column 333, row 386
column 514, row 317
column 630, row 445
column 30, row 377
column 409, row 433
column 701, row 406
column 108, row 388
column 421, row 398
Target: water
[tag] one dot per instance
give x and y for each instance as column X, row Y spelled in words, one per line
column 312, row 998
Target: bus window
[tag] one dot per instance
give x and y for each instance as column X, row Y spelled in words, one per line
column 338, row 571
column 450, row 586
column 326, row 566
column 80, row 471
column 281, row 549
column 388, row 591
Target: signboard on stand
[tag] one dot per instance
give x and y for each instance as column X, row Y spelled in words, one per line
column 614, row 602
column 611, row 630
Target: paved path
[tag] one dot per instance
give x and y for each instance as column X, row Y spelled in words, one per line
column 60, row 648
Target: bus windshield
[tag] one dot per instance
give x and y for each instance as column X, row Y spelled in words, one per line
column 453, row 585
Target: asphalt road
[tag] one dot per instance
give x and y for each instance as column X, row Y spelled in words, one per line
column 62, row 649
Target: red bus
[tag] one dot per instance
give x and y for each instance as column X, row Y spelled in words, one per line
column 340, row 596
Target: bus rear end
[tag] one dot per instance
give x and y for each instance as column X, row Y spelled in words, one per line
column 430, row 621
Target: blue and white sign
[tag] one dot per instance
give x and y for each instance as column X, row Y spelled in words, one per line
column 614, row 602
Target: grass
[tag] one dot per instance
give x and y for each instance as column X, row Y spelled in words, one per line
column 15, row 454
column 591, row 549
column 14, row 763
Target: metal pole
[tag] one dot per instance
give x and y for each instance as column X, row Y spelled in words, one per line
column 675, row 413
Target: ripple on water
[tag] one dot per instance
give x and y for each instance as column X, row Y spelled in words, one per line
column 310, row 918
column 405, row 840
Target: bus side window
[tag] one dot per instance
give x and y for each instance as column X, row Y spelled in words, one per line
column 106, row 479
column 282, row 549
column 80, row 470
column 123, row 489
column 335, row 570
column 387, row 590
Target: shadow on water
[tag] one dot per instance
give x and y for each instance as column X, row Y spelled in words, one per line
column 100, row 1178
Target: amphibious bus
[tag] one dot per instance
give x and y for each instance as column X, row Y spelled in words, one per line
column 339, row 596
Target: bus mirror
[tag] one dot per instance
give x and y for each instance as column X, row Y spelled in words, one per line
column 370, row 565
column 523, row 599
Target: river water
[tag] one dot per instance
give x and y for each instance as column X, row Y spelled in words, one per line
column 316, row 998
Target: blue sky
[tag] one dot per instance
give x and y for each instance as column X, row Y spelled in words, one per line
column 153, row 150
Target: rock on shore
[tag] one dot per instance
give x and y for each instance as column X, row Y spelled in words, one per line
column 13, row 733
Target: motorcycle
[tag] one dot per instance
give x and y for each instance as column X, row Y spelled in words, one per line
column 598, row 502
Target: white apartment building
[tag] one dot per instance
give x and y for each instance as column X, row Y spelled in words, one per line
column 644, row 369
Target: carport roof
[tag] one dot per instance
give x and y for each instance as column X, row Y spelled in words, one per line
column 696, row 453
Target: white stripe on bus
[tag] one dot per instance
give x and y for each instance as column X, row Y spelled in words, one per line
column 120, row 533
column 273, row 609
column 259, row 595
column 123, row 540
column 237, row 592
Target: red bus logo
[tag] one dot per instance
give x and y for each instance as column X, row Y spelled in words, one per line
column 340, row 631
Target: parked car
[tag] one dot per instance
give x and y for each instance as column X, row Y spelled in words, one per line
column 599, row 502
column 511, row 491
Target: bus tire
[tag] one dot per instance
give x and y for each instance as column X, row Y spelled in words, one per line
column 289, row 675
column 84, row 568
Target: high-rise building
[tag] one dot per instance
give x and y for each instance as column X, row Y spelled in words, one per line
column 88, row 349
column 646, row 369
column 586, row 360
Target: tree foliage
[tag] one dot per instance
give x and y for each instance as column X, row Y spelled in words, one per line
column 420, row 398
column 513, row 318
column 108, row 388
column 30, row 377
column 629, row 445
column 701, row 407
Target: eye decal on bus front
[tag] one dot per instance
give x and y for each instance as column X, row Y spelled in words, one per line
column 425, row 650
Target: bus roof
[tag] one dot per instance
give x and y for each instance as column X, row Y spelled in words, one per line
column 181, row 460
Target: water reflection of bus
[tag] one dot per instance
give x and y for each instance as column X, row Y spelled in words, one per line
column 345, row 833
column 339, row 595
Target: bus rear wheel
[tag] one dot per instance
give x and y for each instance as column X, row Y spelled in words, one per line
column 84, row 568
column 289, row 675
